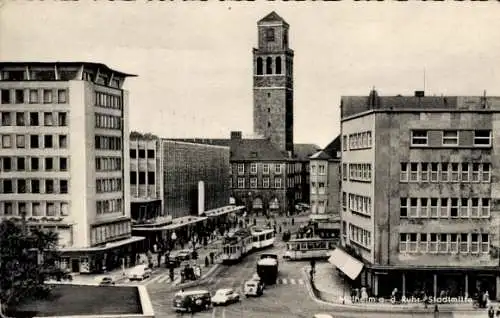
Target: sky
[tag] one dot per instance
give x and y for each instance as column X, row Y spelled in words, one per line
column 194, row 59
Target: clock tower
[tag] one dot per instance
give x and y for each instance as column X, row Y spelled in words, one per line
column 273, row 83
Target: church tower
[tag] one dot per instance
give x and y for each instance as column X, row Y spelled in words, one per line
column 273, row 83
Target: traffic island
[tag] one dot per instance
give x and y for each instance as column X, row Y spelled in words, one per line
column 87, row 301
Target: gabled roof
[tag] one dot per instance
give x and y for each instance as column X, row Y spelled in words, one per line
column 331, row 151
column 255, row 150
column 272, row 17
column 302, row 152
column 320, row 155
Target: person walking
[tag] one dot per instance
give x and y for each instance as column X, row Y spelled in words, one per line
column 491, row 312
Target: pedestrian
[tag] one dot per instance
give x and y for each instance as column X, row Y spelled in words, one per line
column 436, row 311
column 498, row 311
column 486, row 299
column 491, row 312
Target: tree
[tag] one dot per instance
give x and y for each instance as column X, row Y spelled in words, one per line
column 27, row 261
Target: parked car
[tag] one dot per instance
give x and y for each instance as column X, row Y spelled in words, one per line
column 225, row 296
column 107, row 281
column 322, row 316
column 253, row 288
column 183, row 255
column 139, row 272
column 192, row 301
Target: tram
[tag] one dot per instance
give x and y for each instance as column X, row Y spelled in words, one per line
column 262, row 238
column 310, row 248
column 236, row 245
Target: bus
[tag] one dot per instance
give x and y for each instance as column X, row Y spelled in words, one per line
column 263, row 238
column 309, row 248
column 236, row 245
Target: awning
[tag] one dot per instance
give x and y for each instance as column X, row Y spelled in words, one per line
column 223, row 210
column 105, row 247
column 346, row 263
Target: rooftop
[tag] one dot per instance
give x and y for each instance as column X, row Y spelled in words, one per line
column 331, row 151
column 272, row 17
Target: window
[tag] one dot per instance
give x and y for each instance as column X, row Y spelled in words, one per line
column 62, row 119
column 404, row 172
column 47, row 141
column 151, row 178
column 265, row 168
column 48, row 120
column 8, row 208
column 35, row 186
column 241, row 168
column 475, row 172
column 241, row 183
column 474, row 243
column 33, row 96
column 133, row 177
column 321, row 186
column 253, row 183
column 454, row 172
column 344, row 200
column 424, row 211
column 485, row 208
column 6, row 119
column 344, row 143
column 444, row 208
column 6, row 163
column 413, row 207
column 20, row 141
column 486, row 173
column 19, row 96
column 444, row 172
column 34, row 164
column 419, row 137
column 47, row 96
column 434, row 172
column 270, row 34
column 464, row 243
column 20, row 121
column 414, row 172
column 7, row 186
column 474, row 211
column 412, row 245
column 265, row 182
column 465, row 172
column 464, row 208
column 142, row 177
column 454, row 243
column 454, row 208
column 6, row 141
column 51, row 209
column 269, row 70
column 277, row 168
column 4, row 96
column 142, row 153
column 21, row 206
column 63, row 164
column 423, row 242
column 485, row 243
column 49, row 164
column 21, row 165
column 450, row 138
column 253, row 168
column 133, row 153
column 482, row 138
column 49, row 186
column 344, row 171
column 424, row 172
column 63, row 186
column 151, row 153
column 34, row 119
column 434, row 207
column 63, row 141
column 403, row 240
column 34, row 142
column 443, row 243
column 62, row 96
column 321, row 169
column 277, row 183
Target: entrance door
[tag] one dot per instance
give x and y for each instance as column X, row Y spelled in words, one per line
column 75, row 265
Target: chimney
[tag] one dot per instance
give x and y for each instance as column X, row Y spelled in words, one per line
column 419, row 93
column 236, row 135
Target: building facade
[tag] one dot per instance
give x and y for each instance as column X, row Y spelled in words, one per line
column 64, row 131
column 427, row 218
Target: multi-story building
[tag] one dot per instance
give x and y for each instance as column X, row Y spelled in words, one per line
column 177, row 187
column 427, row 218
column 325, row 188
column 64, row 146
column 269, row 172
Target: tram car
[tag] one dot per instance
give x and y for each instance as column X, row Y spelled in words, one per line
column 309, row 248
column 263, row 238
column 236, row 246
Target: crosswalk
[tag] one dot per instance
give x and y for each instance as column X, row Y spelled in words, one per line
column 290, row 281
column 162, row 277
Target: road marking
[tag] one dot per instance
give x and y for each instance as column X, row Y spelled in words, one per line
column 292, row 281
column 223, row 313
column 301, row 282
column 213, row 312
column 154, row 279
column 164, row 278
column 284, row 281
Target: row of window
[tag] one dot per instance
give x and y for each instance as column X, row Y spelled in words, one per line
column 108, row 121
column 103, row 233
column 268, row 66
column 29, row 209
column 44, row 186
column 108, row 143
column 320, row 189
column 445, row 207
column 33, row 96
column 293, row 180
column 141, row 177
column 357, row 172
column 321, row 169
column 362, row 140
column 34, row 141
column 8, row 164
column 450, row 138
column 266, row 167
column 360, row 236
column 108, row 185
column 109, row 206
column 254, row 183
column 445, row 172
column 141, row 153
column 444, row 243
column 108, row 100
column 34, row 118
column 108, row 164
column 358, row 203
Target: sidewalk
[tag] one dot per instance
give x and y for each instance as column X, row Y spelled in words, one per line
column 328, row 287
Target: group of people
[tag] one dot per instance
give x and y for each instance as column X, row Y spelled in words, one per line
column 359, row 295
